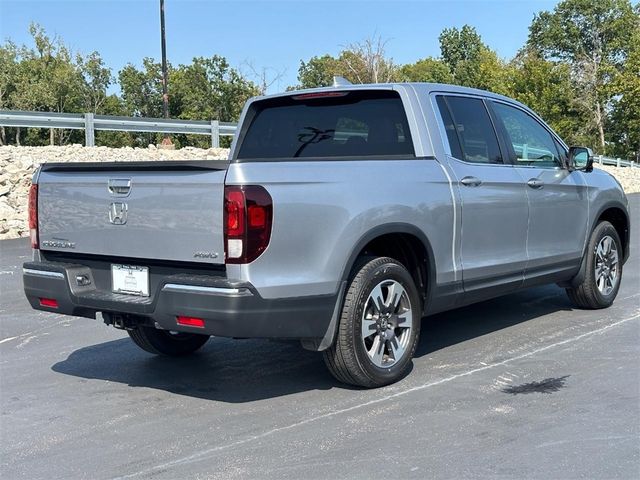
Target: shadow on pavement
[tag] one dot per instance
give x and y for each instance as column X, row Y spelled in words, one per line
column 239, row 371
column 456, row 326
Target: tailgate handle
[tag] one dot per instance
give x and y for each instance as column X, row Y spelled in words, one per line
column 119, row 186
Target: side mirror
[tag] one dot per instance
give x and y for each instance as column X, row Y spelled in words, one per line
column 580, row 158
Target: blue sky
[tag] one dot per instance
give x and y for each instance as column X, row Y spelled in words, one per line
column 273, row 34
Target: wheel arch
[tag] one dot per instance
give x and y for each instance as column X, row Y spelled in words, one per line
column 615, row 213
column 399, row 241
column 367, row 240
column 612, row 210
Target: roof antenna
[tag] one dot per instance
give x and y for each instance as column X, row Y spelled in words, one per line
column 340, row 81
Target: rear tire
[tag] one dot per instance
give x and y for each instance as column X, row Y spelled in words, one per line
column 163, row 342
column 379, row 326
column 603, row 264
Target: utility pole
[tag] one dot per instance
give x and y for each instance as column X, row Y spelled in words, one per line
column 165, row 95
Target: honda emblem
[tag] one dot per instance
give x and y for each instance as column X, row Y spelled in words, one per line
column 118, row 213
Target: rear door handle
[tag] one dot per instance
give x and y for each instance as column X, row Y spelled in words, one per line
column 471, row 182
column 535, row 183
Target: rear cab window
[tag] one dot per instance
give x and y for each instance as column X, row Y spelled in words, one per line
column 327, row 125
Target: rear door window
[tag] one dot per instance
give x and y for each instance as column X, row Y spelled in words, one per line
column 355, row 124
column 469, row 129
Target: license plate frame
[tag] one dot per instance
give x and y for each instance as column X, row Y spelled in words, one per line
column 130, row 279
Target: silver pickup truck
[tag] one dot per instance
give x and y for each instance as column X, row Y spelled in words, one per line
column 342, row 217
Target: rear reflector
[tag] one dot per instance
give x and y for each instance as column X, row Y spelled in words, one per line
column 190, row 321
column 49, row 302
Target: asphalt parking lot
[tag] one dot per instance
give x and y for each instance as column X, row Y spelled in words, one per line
column 522, row 386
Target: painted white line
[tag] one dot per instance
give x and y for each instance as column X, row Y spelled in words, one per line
column 204, row 453
column 35, row 332
column 26, row 341
column 631, row 296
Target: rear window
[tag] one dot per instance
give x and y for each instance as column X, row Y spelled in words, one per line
column 352, row 124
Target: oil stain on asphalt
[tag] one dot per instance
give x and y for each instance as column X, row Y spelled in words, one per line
column 548, row 385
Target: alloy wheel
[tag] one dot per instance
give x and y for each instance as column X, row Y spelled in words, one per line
column 606, row 265
column 387, row 323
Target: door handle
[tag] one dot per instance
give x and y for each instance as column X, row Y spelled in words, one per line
column 119, row 186
column 535, row 183
column 471, row 182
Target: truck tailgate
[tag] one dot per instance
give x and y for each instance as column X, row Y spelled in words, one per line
column 154, row 210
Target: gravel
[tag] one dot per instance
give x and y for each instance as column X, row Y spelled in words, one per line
column 629, row 178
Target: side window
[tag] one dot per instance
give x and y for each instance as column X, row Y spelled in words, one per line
column 452, row 136
column 532, row 143
column 564, row 153
column 469, row 129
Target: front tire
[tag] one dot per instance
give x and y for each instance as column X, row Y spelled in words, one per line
column 379, row 327
column 603, row 263
column 164, row 342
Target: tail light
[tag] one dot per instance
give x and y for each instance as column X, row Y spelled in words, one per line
column 33, row 215
column 248, row 215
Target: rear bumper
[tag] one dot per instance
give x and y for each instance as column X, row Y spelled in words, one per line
column 229, row 308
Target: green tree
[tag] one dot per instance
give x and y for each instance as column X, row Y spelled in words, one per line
column 367, row 62
column 46, row 79
column 8, row 67
column 205, row 89
column 141, row 93
column 208, row 89
column 49, row 77
column 458, row 46
column 141, row 89
column 471, row 62
column 625, row 114
column 426, row 70
column 96, row 80
column 114, row 105
column 593, row 38
column 361, row 62
column 546, row 87
column 318, row 71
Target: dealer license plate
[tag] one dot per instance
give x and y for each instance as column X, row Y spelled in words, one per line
column 130, row 279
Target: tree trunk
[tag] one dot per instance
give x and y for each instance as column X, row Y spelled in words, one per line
column 51, row 137
column 3, row 136
column 600, row 122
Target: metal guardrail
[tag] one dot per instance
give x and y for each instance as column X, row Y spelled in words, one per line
column 90, row 123
column 616, row 162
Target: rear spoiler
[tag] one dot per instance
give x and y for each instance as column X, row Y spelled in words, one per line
column 153, row 165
